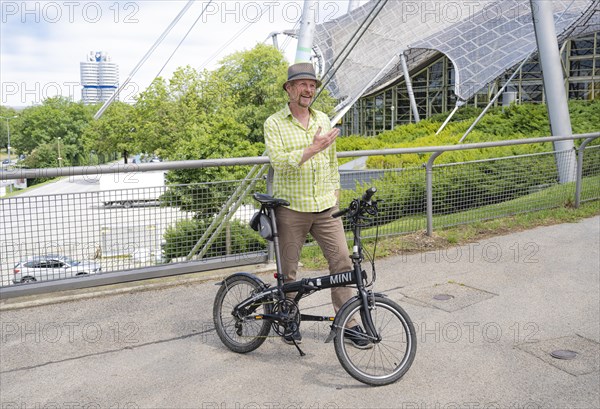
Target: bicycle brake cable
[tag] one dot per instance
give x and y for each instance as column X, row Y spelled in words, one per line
column 372, row 258
column 374, row 251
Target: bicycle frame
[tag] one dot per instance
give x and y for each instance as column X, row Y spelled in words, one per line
column 246, row 309
column 307, row 286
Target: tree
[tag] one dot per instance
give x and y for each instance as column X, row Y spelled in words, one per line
column 190, row 188
column 169, row 114
column 155, row 117
column 219, row 114
column 55, row 118
column 113, row 131
column 253, row 80
column 44, row 156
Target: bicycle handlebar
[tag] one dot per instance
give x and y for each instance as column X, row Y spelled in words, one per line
column 369, row 194
column 340, row 213
column 356, row 204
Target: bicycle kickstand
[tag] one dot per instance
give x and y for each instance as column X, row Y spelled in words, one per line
column 298, row 348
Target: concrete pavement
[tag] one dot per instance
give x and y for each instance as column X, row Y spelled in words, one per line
column 513, row 301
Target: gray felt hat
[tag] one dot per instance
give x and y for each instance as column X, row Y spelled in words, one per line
column 302, row 71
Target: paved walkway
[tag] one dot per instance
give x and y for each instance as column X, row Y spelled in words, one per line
column 515, row 299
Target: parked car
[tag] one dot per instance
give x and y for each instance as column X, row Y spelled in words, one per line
column 52, row 267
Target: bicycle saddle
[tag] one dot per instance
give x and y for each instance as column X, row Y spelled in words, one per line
column 270, row 201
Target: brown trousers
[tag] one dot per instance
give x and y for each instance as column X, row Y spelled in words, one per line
column 293, row 229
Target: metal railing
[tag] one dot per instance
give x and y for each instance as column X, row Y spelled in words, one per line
column 135, row 233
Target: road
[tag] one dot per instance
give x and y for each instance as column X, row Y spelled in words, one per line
column 514, row 300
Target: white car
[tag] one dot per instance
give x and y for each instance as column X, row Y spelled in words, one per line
column 52, row 267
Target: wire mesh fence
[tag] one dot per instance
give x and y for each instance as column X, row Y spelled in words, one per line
column 482, row 190
column 591, row 173
column 141, row 222
column 118, row 230
column 401, row 199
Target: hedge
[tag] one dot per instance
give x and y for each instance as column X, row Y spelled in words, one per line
column 183, row 236
column 515, row 122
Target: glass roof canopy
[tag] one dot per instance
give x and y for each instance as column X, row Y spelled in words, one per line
column 482, row 38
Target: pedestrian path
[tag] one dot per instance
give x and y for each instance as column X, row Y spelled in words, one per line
column 507, row 322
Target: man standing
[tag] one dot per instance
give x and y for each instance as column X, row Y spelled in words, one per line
column 301, row 145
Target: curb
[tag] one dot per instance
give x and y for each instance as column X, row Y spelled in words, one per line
column 129, row 287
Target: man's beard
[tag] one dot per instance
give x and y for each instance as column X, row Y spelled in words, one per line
column 301, row 99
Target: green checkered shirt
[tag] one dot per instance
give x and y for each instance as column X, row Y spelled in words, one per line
column 310, row 187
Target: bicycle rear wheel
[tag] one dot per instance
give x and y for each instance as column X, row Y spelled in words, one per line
column 383, row 362
column 245, row 333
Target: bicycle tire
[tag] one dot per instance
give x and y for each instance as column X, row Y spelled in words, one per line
column 248, row 334
column 386, row 361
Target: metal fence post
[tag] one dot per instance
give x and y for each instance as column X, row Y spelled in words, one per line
column 429, row 191
column 579, row 177
column 270, row 245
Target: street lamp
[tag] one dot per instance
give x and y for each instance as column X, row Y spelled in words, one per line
column 8, row 118
column 59, row 158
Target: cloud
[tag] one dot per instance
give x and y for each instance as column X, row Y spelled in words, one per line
column 43, row 42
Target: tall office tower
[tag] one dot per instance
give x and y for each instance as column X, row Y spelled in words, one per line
column 99, row 78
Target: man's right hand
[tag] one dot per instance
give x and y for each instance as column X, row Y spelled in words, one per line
column 320, row 143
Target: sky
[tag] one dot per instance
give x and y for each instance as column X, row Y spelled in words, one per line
column 43, row 42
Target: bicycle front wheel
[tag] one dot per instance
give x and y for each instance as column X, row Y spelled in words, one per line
column 245, row 333
column 383, row 362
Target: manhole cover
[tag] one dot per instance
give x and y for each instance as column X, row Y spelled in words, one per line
column 448, row 297
column 573, row 354
column 563, row 354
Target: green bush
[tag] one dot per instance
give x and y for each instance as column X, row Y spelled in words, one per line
column 591, row 161
column 515, row 122
column 458, row 188
column 399, row 194
column 181, row 238
column 478, row 184
column 475, row 182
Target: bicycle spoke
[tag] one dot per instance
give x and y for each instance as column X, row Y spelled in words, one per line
column 385, row 360
column 239, row 330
